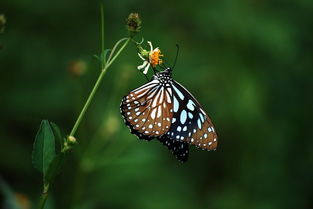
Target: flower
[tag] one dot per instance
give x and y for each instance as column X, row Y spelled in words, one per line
column 150, row 58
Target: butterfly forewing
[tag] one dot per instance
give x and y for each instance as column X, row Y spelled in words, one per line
column 147, row 110
column 190, row 123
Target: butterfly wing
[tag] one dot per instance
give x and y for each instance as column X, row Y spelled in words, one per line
column 190, row 123
column 147, row 110
column 179, row 149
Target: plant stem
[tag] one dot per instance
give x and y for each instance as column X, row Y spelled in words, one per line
column 91, row 95
column 102, row 31
column 44, row 196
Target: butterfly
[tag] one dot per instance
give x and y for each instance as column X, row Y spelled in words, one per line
column 165, row 110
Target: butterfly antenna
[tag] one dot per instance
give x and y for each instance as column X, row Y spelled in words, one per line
column 176, row 56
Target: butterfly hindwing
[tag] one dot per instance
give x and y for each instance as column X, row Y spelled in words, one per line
column 179, row 149
column 147, row 110
column 190, row 123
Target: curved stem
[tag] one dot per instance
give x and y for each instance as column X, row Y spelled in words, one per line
column 114, row 48
column 91, row 95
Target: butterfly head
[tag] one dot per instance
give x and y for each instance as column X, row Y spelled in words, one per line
column 164, row 76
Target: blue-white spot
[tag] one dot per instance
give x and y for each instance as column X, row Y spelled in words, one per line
column 191, row 105
column 190, row 115
column 183, row 116
column 199, row 124
column 181, row 96
column 201, row 116
column 176, row 105
column 185, row 128
column 178, row 128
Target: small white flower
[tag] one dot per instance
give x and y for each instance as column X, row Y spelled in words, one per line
column 145, row 65
column 152, row 60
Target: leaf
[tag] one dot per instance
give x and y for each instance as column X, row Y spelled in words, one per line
column 44, row 147
column 57, row 134
column 54, row 167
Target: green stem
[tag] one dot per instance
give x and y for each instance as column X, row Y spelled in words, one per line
column 102, row 31
column 44, row 196
column 91, row 95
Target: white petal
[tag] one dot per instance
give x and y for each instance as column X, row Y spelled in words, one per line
column 143, row 65
column 146, row 69
column 151, row 48
column 141, row 56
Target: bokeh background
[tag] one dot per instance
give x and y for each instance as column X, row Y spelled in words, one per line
column 249, row 62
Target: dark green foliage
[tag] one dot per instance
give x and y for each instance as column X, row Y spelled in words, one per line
column 58, row 135
column 54, row 167
column 44, row 155
column 249, row 63
column 44, row 147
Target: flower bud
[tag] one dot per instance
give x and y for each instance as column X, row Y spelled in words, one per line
column 133, row 24
column 71, row 139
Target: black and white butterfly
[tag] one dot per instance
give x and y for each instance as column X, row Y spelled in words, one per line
column 165, row 110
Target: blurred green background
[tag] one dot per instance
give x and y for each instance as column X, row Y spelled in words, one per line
column 249, row 62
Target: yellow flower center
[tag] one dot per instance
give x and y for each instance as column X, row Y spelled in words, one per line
column 154, row 57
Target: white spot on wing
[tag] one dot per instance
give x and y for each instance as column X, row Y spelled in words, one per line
column 181, row 96
column 199, row 124
column 159, row 111
column 176, row 105
column 191, row 105
column 153, row 113
column 201, row 117
column 183, row 116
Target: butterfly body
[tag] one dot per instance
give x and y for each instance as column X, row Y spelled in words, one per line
column 165, row 110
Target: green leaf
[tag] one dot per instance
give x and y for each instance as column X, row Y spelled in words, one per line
column 44, row 147
column 55, row 167
column 57, row 134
